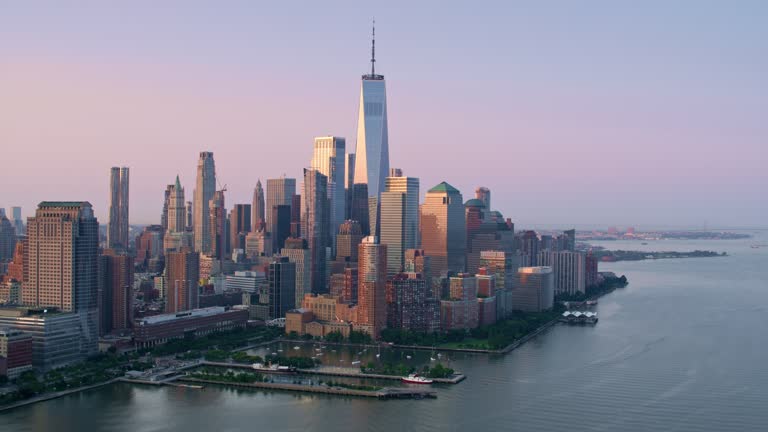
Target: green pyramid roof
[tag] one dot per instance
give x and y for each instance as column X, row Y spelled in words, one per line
column 444, row 187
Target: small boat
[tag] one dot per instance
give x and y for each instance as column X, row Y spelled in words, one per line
column 415, row 379
column 274, row 354
column 432, row 359
column 408, row 357
column 439, row 355
column 356, row 362
column 378, row 355
column 296, row 348
column 279, row 350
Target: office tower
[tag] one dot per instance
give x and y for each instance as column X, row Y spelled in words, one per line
column 371, row 287
column 415, row 261
column 590, row 278
column 205, row 188
column 411, row 305
column 297, row 252
column 570, row 235
column 483, row 194
column 190, row 216
column 296, row 216
column 474, row 212
column 280, row 191
column 182, row 273
column 166, row 202
column 349, row 237
column 329, row 160
column 282, row 287
column 17, row 221
column 18, row 268
column 15, row 352
column 349, row 183
column 399, row 224
column 116, row 292
column 217, row 224
column 257, row 207
column 372, row 152
column 239, row 225
column 149, row 245
column 534, row 289
column 117, row 230
column 501, row 264
column 484, row 233
column 360, row 210
column 7, row 239
column 529, row 248
column 257, row 244
column 569, row 270
column 443, row 231
column 316, row 224
column 62, row 250
column 350, row 291
column 460, row 311
column 281, row 225
column 177, row 210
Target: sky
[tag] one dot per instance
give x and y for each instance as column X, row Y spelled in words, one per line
column 572, row 113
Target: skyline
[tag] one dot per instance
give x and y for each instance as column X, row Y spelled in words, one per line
column 673, row 94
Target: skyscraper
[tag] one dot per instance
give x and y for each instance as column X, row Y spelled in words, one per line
column 372, row 151
column 349, row 183
column 399, row 219
column 297, row 252
column 17, row 221
column 7, row 239
column 329, row 160
column 316, row 223
column 182, row 273
column 63, row 242
column 443, row 229
column 347, row 240
column 280, row 191
column 411, row 304
column 218, row 226
column 371, row 287
column 116, row 291
column 117, row 231
column 204, row 190
column 282, row 287
column 281, row 226
column 534, row 289
column 257, row 208
column 239, row 225
column 177, row 210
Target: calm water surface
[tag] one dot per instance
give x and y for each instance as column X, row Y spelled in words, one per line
column 682, row 348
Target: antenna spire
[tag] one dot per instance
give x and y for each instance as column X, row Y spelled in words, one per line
column 373, row 48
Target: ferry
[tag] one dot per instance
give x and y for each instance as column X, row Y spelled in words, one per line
column 415, row 379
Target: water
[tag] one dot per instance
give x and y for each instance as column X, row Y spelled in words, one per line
column 682, row 348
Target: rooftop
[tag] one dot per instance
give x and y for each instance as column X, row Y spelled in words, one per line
column 444, row 187
column 474, row 202
column 48, row 204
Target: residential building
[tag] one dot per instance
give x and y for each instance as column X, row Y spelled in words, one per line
column 15, row 352
column 117, row 230
column 411, row 304
column 182, row 273
column 371, row 287
column 534, row 289
column 316, row 225
column 282, row 287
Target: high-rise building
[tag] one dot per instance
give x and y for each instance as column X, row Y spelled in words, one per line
column 372, row 152
column 218, row 226
column 501, row 264
column 360, row 209
column 63, row 242
column 371, row 287
column 483, row 194
column 15, row 352
column 205, row 187
column 329, row 160
column 349, row 237
column 349, row 183
column 569, row 270
column 443, row 230
column 411, row 304
column 282, row 287
column 115, row 291
column 591, row 270
column 7, row 239
column 182, row 273
column 296, row 216
column 177, row 210
column 150, row 246
column 534, row 289
column 529, row 248
column 18, row 268
column 316, row 225
column 297, row 252
column 239, row 225
column 257, row 207
column 258, row 244
column 460, row 311
column 399, row 224
column 281, row 225
column 190, row 216
column 117, row 231
column 280, row 191
column 17, row 221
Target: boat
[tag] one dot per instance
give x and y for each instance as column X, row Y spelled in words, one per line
column 408, row 357
column 416, row 379
column 296, row 348
column 356, row 362
column 274, row 354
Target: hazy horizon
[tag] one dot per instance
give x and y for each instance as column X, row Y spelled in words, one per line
column 596, row 114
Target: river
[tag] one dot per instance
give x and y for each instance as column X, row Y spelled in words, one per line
column 682, row 348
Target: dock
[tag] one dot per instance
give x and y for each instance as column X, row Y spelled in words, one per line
column 457, row 378
column 384, row 393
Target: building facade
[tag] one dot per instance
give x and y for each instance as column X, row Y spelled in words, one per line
column 443, row 231
column 371, row 287
column 205, row 187
column 399, row 225
column 117, row 230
